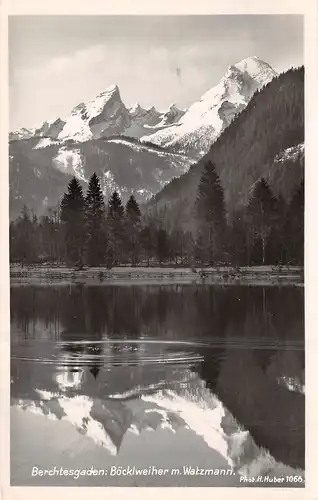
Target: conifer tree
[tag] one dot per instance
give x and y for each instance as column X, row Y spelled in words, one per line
column 294, row 227
column 162, row 249
column 24, row 236
column 237, row 242
column 147, row 239
column 73, row 223
column 34, row 238
column 132, row 230
column 276, row 248
column 210, row 215
column 262, row 214
column 115, row 229
column 95, row 223
column 12, row 240
column 178, row 245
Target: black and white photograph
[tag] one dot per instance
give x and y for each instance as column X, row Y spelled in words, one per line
column 156, row 248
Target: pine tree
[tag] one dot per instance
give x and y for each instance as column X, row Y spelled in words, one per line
column 210, row 215
column 45, row 238
column 276, row 247
column 73, row 223
column 162, row 249
column 35, row 240
column 95, row 223
column 147, row 239
column 177, row 243
column 132, row 230
column 12, row 240
column 261, row 214
column 294, row 227
column 115, row 229
column 237, row 243
column 55, row 234
column 24, row 232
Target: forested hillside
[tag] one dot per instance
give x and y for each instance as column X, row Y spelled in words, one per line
column 264, row 141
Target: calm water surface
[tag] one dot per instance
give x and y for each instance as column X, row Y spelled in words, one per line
column 164, row 376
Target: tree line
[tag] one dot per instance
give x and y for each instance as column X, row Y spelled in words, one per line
column 266, row 231
column 84, row 230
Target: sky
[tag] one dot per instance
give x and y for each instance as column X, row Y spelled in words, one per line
column 56, row 62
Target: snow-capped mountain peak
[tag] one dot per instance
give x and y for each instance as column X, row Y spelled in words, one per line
column 136, row 109
column 100, row 117
column 205, row 120
column 172, row 115
column 142, row 114
column 257, row 69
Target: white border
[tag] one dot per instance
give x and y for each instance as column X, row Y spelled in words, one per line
column 185, row 7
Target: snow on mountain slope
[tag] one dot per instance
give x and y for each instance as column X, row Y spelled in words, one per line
column 45, row 142
column 204, row 121
column 51, row 128
column 291, row 153
column 84, row 142
column 193, row 130
column 147, row 121
column 100, row 117
column 22, row 133
column 47, row 129
column 144, row 116
column 172, row 115
column 103, row 116
column 41, row 168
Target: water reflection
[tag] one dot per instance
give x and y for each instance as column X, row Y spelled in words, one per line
column 226, row 363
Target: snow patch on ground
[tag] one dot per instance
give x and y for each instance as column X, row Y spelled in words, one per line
column 293, row 384
column 70, row 160
column 45, row 142
column 146, row 193
column 76, row 129
column 37, row 173
column 291, row 153
column 135, row 147
column 108, row 183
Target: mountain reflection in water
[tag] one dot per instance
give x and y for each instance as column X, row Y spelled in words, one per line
column 225, row 363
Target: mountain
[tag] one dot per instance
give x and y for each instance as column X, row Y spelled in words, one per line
column 43, row 158
column 145, row 122
column 139, row 151
column 22, row 133
column 265, row 140
column 172, row 115
column 142, row 121
column 205, row 120
column 103, row 116
column 190, row 131
column 49, row 129
column 144, row 116
column 40, row 169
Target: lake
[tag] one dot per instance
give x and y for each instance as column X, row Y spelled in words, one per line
column 183, row 385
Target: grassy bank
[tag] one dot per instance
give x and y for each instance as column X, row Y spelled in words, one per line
column 262, row 275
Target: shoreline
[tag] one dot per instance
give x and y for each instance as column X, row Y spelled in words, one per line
column 254, row 275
